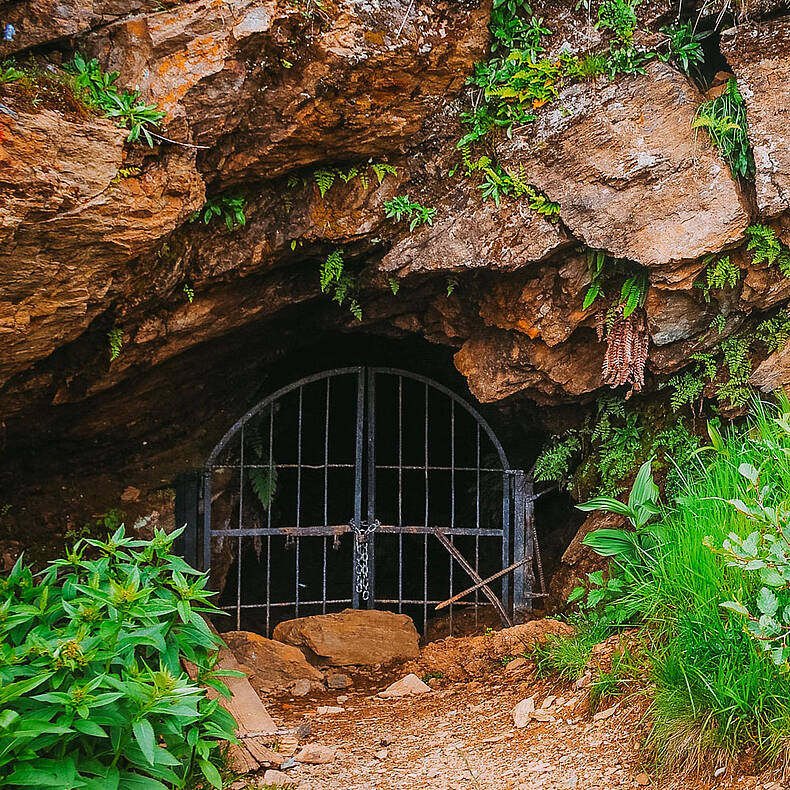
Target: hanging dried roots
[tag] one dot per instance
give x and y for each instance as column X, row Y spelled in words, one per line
column 626, row 352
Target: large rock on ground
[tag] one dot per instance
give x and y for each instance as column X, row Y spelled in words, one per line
column 272, row 664
column 352, row 637
column 758, row 54
column 630, row 174
column 471, row 656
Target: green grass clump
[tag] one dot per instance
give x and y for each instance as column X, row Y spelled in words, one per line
column 568, row 656
column 717, row 693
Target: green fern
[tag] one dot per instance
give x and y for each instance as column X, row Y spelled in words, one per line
column 331, row 269
column 633, row 293
column 115, row 338
column 264, row 483
column 452, row 284
column 554, row 461
column 324, row 179
column 721, row 273
column 381, row 170
column 774, row 332
column 189, row 292
column 767, row 248
column 687, row 387
column 394, row 283
column 340, row 284
column 718, row 323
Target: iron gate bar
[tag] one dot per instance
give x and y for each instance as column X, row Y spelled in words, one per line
column 514, row 487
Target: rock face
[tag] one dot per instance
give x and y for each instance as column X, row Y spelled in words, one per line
column 757, row 54
column 352, row 637
column 272, row 664
column 624, row 163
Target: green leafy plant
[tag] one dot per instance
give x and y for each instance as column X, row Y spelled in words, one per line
column 189, row 292
column 98, row 90
column 9, row 72
column 687, row 386
column 766, row 247
column 230, row 208
column 626, row 59
column 765, row 554
column 325, row 178
column 684, row 48
column 618, row 16
column 339, row 283
column 720, row 273
column 775, row 331
column 92, row 687
column 451, row 284
column 737, row 362
column 115, row 339
column 554, row 462
column 402, row 206
column 724, row 119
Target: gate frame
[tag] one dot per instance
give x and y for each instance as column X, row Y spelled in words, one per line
column 518, row 530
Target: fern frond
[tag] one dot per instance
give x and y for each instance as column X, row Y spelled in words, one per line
column 324, row 179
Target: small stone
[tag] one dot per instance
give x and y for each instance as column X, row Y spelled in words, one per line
column 130, row 494
column 342, row 698
column 522, row 713
column 542, row 715
column 405, row 687
column 643, row 780
column 605, row 714
column 336, row 680
column 382, row 754
column 583, row 681
column 301, row 688
column 548, row 702
column 276, row 778
column 719, row 771
column 316, row 753
column 304, row 730
column 515, row 664
column 324, row 710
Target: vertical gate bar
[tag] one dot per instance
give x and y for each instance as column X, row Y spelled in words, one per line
column 519, row 547
column 358, row 477
column 370, row 544
column 206, row 520
column 506, row 526
column 529, row 529
column 452, row 500
column 425, row 541
column 477, row 519
column 241, row 526
column 400, row 493
column 269, row 525
column 326, row 494
column 298, row 498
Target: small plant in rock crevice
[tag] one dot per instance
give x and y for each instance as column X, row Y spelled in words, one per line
column 402, row 207
column 339, row 283
column 724, row 119
column 230, row 208
column 98, row 89
column 720, row 274
column 766, row 247
column 115, row 340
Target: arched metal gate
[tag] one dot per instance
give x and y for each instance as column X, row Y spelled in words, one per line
column 361, row 487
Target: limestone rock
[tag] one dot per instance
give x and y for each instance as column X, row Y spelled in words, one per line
column 472, row 234
column 498, row 364
column 522, row 713
column 622, row 161
column 325, row 710
column 316, row 753
column 337, row 680
column 352, row 637
column 408, row 686
column 758, row 53
column 273, row 665
column 277, row 778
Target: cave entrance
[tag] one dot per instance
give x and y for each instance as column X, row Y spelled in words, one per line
column 363, row 487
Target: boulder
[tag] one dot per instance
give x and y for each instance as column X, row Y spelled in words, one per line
column 316, row 753
column 352, row 637
column 272, row 665
column 631, row 175
column 758, row 53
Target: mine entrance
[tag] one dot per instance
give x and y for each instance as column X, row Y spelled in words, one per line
column 363, row 487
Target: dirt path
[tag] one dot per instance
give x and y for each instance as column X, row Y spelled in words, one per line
column 462, row 737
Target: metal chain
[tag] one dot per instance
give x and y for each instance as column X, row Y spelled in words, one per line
column 362, row 532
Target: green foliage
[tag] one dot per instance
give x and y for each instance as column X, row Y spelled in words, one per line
column 724, row 119
column 568, row 656
column 618, row 16
column 720, row 273
column 189, row 292
column 633, row 293
column 99, row 91
column 684, row 48
column 601, row 599
column 229, row 208
column 737, row 361
column 325, row 178
column 687, row 386
column 9, row 71
column 339, row 283
column 596, row 266
column 394, row 284
column 717, row 692
column 766, row 248
column 451, row 284
column 115, row 339
column 402, row 206
column 92, row 687
column 554, row 461
column 775, row 331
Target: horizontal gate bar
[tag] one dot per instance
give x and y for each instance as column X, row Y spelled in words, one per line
column 341, row 529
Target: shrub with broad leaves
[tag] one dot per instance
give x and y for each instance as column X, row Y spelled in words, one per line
column 93, row 691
